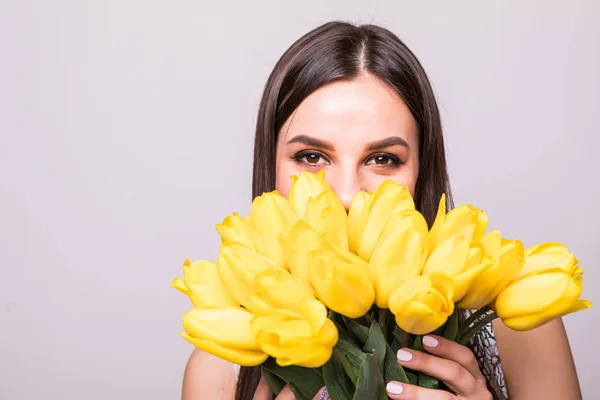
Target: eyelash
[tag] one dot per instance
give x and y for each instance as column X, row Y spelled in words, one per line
column 395, row 161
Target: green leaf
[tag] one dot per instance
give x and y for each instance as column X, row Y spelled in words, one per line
column 342, row 333
column 391, row 325
column 351, row 357
column 376, row 343
column 402, row 339
column 338, row 319
column 425, row 380
column 275, row 383
column 358, row 332
column 339, row 385
column 304, row 382
column 370, row 385
column 413, row 378
column 366, row 319
column 451, row 326
column 392, row 371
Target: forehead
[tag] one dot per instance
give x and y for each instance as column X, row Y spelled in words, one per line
column 360, row 110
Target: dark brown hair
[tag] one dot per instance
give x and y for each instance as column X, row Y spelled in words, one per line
column 338, row 51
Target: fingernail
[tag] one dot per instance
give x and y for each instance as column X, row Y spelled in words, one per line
column 394, row 388
column 404, row 355
column 430, row 341
column 324, row 394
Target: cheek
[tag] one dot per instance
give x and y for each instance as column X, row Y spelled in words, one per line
column 284, row 171
column 407, row 176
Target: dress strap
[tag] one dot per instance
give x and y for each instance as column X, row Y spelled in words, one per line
column 236, row 369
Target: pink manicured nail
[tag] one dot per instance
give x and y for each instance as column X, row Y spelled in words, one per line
column 324, row 395
column 394, row 388
column 430, row 341
column 403, row 355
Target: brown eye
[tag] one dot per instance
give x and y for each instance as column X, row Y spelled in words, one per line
column 384, row 159
column 310, row 158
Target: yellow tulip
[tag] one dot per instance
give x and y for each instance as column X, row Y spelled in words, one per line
column 276, row 288
column 400, row 254
column 368, row 215
column 202, row 284
column 502, row 261
column 313, row 200
column 536, row 299
column 464, row 220
column 296, row 246
column 340, row 280
column 234, row 229
column 458, row 260
column 307, row 186
column 305, row 339
column 225, row 333
column 549, row 255
column 238, row 266
column 356, row 218
column 270, row 216
column 328, row 217
column 424, row 303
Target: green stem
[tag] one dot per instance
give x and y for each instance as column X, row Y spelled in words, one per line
column 467, row 335
column 472, row 318
column 382, row 317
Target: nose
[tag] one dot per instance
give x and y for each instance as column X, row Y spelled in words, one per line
column 345, row 184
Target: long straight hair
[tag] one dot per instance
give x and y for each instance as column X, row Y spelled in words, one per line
column 339, row 51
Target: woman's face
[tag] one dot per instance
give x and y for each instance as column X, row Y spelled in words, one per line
column 359, row 131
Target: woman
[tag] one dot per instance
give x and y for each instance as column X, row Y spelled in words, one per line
column 356, row 101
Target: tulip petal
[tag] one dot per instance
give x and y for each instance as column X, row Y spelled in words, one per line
column 532, row 321
column 179, row 284
column 238, row 266
column 465, row 280
column 292, row 339
column 270, row 216
column 503, row 263
column 357, row 217
column 234, row 229
column 229, row 327
column 276, row 288
column 423, row 303
column 419, row 319
column 246, row 358
column 545, row 256
column 315, row 313
column 202, row 283
column 450, row 257
column 301, row 241
column 327, row 216
column 464, row 220
column 341, row 282
column 399, row 255
column 537, row 293
column 304, row 187
column 492, row 242
column 438, row 223
column 388, row 199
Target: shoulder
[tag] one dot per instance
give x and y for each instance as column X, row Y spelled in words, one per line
column 208, row 377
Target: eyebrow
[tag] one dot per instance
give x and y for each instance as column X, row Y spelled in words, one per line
column 387, row 142
column 322, row 144
column 311, row 141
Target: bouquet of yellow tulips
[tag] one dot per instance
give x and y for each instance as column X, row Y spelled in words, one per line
column 318, row 296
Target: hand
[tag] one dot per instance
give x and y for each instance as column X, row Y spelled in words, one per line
column 449, row 362
column 263, row 392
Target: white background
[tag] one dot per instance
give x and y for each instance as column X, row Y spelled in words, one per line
column 126, row 132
